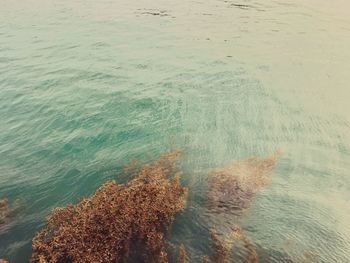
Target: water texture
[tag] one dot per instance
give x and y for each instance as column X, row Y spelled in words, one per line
column 88, row 86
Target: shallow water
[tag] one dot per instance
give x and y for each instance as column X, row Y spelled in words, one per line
column 87, row 86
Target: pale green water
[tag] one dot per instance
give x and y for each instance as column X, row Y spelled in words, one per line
column 87, row 86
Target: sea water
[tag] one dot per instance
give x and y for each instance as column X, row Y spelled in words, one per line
column 88, row 86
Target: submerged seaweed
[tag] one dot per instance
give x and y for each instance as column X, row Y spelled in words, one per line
column 4, row 210
column 117, row 220
column 232, row 188
column 221, row 250
column 130, row 222
column 183, row 255
column 7, row 211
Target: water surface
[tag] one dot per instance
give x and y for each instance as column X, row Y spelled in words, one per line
column 87, row 86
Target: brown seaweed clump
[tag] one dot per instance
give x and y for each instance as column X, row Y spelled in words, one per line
column 230, row 192
column 7, row 211
column 292, row 251
column 4, row 210
column 252, row 256
column 117, row 221
column 183, row 254
column 3, row 261
column 222, row 249
column 232, row 188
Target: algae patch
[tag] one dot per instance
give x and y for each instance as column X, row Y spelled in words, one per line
column 232, row 188
column 118, row 221
column 130, row 222
column 7, row 210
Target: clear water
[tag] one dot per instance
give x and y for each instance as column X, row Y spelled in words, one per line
column 87, row 86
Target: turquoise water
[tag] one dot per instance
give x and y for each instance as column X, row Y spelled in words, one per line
column 87, row 86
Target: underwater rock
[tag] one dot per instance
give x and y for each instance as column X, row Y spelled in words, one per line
column 117, row 221
column 3, row 261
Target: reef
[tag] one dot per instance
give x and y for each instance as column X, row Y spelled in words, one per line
column 118, row 221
